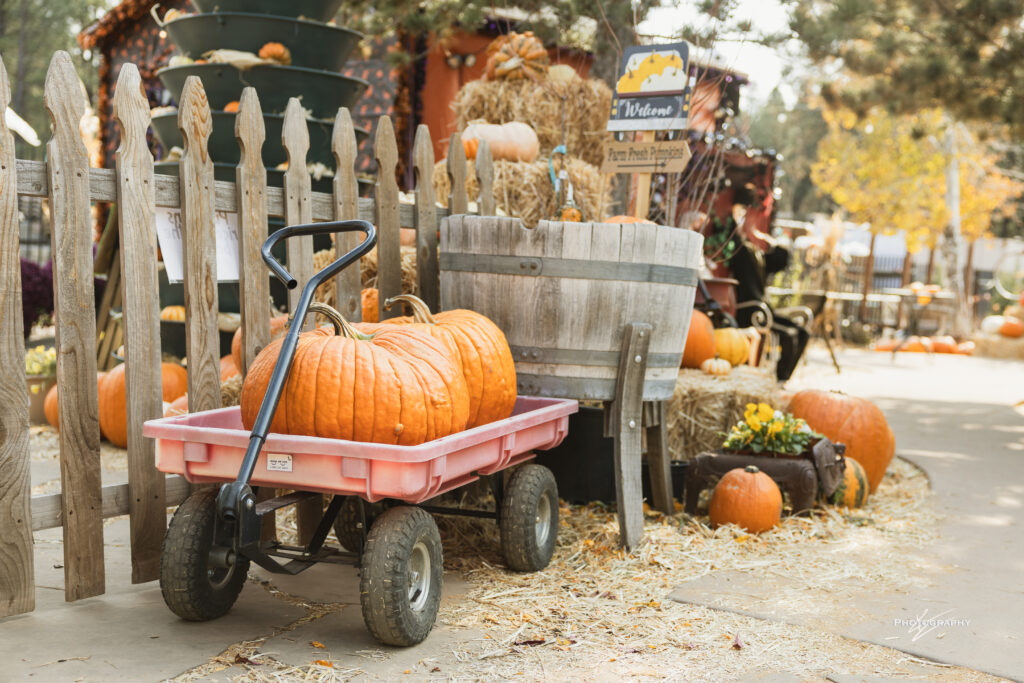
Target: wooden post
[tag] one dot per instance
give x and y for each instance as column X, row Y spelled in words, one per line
column 869, row 277
column 136, row 208
column 74, row 309
column 428, row 276
column 298, row 208
column 251, row 190
column 348, row 284
column 643, row 184
column 659, row 461
column 484, row 167
column 17, row 590
column 389, row 248
column 458, row 202
column 626, row 420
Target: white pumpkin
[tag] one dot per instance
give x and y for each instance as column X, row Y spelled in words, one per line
column 991, row 324
column 514, row 141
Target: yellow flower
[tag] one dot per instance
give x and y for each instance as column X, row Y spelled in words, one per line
column 764, row 412
column 754, row 423
column 774, row 427
column 40, row 349
column 750, row 409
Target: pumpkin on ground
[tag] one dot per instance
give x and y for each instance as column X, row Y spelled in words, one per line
column 178, row 406
column 394, row 386
column 278, row 325
column 513, row 141
column 944, row 344
column 113, row 401
column 1012, row 327
column 700, row 341
column 51, row 405
column 716, row 366
column 517, row 55
column 856, row 422
column 480, row 349
column 853, row 489
column 748, row 498
column 732, row 345
column 917, row 345
column 370, row 299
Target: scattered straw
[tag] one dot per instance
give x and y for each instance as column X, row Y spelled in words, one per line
column 587, row 103
column 998, row 346
column 231, row 391
column 704, row 407
column 368, row 272
column 524, row 189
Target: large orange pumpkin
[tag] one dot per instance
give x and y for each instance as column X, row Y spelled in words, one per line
column 700, row 341
column 856, row 422
column 370, row 299
column 114, row 403
column 746, row 497
column 51, row 406
column 397, row 386
column 732, row 345
column 1012, row 327
column 278, row 325
column 480, row 349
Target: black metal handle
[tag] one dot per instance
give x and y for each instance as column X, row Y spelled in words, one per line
column 235, row 499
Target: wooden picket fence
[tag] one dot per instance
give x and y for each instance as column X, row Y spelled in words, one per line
column 70, row 185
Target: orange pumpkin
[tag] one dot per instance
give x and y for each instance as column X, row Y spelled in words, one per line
column 517, row 55
column 732, row 345
column 396, row 386
column 276, row 52
column 480, row 349
column 175, row 313
column 114, row 402
column 231, row 107
column 278, row 325
column 470, row 146
column 917, row 345
column 856, row 422
column 371, row 305
column 1012, row 327
column 700, row 341
column 944, row 344
column 625, row 219
column 51, row 406
column 228, row 369
column 748, row 498
column 178, row 406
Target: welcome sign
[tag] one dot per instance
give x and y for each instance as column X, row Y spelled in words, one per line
column 653, row 90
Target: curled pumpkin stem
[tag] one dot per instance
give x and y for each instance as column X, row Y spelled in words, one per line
column 420, row 310
column 342, row 327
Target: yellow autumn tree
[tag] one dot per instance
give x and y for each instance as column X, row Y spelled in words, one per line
column 984, row 190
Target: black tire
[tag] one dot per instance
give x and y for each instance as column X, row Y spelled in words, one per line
column 346, row 524
column 191, row 588
column 399, row 602
column 529, row 518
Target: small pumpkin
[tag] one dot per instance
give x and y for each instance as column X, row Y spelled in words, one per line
column 173, row 313
column 856, row 422
column 231, row 107
column 228, row 369
column 480, row 349
column 991, row 324
column 943, row 344
column 513, row 141
column 700, row 341
column 917, row 345
column 370, row 299
column 965, row 348
column 716, row 366
column 852, row 491
column 278, row 325
column 113, row 401
column 748, row 498
column 178, row 406
column 732, row 345
column 276, row 52
column 51, row 405
column 515, row 56
column 396, row 386
column 562, row 74
column 1012, row 327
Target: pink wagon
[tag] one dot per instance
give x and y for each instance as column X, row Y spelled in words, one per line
column 377, row 491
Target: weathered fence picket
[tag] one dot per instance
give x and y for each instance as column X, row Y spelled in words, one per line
column 458, row 202
column 297, row 188
column 70, row 185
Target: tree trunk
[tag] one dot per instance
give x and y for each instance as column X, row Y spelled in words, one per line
column 901, row 315
column 869, row 276
column 951, row 239
column 969, row 282
column 929, row 272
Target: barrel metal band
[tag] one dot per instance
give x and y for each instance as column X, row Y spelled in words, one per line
column 538, row 354
column 591, row 388
column 501, row 264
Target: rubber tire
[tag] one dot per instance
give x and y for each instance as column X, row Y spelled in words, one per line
column 384, row 577
column 523, row 493
column 184, row 574
column 346, row 524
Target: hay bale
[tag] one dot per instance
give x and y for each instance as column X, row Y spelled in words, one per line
column 367, row 272
column 524, row 189
column 998, row 346
column 704, row 407
column 587, row 104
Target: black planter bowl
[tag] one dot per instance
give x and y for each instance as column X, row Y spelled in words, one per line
column 313, row 45
column 223, row 146
column 323, row 92
column 275, row 177
column 316, row 10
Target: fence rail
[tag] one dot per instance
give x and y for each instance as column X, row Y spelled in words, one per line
column 69, row 185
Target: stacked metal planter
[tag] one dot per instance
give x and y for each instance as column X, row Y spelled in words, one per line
column 318, row 51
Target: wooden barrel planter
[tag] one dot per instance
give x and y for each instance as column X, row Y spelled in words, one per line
column 563, row 293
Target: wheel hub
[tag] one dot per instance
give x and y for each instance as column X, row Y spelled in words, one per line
column 542, row 525
column 419, row 576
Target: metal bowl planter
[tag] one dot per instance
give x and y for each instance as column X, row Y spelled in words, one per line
column 313, row 45
column 316, row 10
column 224, row 147
column 323, row 92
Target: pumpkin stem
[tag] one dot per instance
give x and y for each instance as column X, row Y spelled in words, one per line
column 342, row 327
column 752, row 469
column 420, row 310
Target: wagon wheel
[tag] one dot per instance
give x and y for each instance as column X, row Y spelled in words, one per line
column 193, row 587
column 400, row 582
column 348, row 524
column 529, row 518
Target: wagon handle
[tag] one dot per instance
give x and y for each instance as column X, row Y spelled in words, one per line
column 333, row 269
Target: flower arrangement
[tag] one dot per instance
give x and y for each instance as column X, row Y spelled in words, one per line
column 41, row 361
column 766, row 430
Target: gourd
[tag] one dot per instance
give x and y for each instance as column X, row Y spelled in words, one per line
column 480, row 350
column 748, row 498
column 513, row 141
column 716, row 366
column 732, row 345
column 1011, row 327
column 395, row 386
column 113, row 401
column 276, row 52
column 516, row 55
column 853, row 489
column 856, row 422
column 700, row 341
column 174, row 313
column 278, row 325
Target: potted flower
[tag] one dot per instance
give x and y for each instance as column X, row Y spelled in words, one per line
column 770, row 432
column 40, row 371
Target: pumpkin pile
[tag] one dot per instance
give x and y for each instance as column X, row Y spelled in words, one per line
column 919, row 344
column 706, row 345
